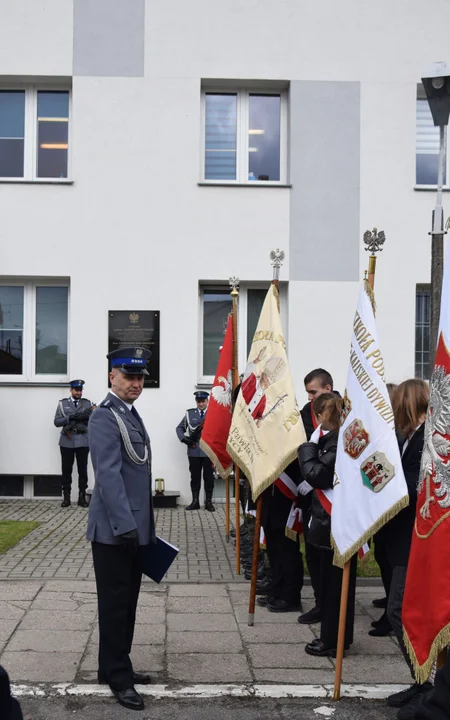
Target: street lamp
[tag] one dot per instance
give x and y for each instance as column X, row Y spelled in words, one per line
column 436, row 84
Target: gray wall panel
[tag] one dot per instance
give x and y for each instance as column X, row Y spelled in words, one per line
column 109, row 38
column 325, row 177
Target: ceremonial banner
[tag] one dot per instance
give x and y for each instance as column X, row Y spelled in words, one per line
column 266, row 428
column 426, row 603
column 218, row 418
column 369, row 485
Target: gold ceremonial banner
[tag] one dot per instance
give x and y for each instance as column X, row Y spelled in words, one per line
column 266, row 428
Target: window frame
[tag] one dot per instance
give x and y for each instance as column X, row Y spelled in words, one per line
column 208, row 380
column 420, row 95
column 242, row 136
column 31, row 128
column 424, row 289
column 29, row 374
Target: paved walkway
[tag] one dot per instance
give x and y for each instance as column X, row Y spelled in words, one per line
column 192, row 633
column 58, row 549
column 193, row 629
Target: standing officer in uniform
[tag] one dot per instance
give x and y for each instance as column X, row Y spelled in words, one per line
column 189, row 432
column 72, row 415
column 120, row 519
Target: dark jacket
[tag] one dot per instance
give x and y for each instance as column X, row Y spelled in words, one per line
column 308, row 424
column 399, row 530
column 317, row 463
column 9, row 706
column 276, row 506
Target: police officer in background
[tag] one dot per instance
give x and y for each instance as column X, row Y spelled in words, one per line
column 120, row 519
column 189, row 432
column 72, row 415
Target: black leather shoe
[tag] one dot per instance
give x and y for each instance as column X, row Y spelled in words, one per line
column 209, row 506
column 264, row 587
column 381, row 629
column 263, row 600
column 138, row 679
column 311, row 617
column 129, row 698
column 278, row 606
column 404, row 697
column 319, row 649
column 82, row 502
column 380, row 603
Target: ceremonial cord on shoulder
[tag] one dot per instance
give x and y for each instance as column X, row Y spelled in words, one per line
column 129, row 449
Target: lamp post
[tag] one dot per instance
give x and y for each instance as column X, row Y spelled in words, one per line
column 436, row 84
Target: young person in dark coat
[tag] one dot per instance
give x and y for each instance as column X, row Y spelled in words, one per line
column 316, row 382
column 317, row 463
column 286, row 561
column 410, row 403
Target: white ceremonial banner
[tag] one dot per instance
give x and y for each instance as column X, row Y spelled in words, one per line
column 369, row 485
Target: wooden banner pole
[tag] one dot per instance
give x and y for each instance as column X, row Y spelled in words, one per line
column 234, row 282
column 251, row 608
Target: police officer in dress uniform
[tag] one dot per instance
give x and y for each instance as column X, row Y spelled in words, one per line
column 120, row 519
column 189, row 432
column 72, row 415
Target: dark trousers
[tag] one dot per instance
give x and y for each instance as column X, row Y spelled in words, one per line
column 382, row 558
column 68, row 456
column 312, row 554
column 330, row 600
column 195, row 468
column 394, row 609
column 435, row 705
column 286, row 564
column 118, row 577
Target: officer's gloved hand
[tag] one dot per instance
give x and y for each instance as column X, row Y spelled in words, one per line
column 130, row 538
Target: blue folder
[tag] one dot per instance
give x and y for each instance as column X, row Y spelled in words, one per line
column 157, row 559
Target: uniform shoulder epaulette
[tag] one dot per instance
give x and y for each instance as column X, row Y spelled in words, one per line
column 105, row 404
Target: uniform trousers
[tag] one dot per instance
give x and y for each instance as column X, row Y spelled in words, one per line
column 312, row 554
column 68, row 456
column 118, row 577
column 286, row 563
column 330, row 600
column 382, row 558
column 435, row 705
column 195, row 468
column 394, row 609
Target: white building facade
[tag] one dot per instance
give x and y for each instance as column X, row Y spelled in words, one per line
column 150, row 149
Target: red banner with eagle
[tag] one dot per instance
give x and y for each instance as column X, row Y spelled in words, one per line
column 218, row 418
column 426, row 603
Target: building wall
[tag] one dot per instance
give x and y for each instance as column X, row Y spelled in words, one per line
column 136, row 231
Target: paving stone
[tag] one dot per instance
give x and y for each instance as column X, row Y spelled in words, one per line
column 208, row 668
column 146, row 658
column 10, row 611
column 204, row 642
column 19, row 590
column 199, row 604
column 70, row 586
column 276, row 633
column 149, row 615
column 45, row 641
column 265, row 655
column 211, row 622
column 376, row 668
column 262, row 615
column 197, row 590
column 49, row 667
column 57, row 620
column 7, row 628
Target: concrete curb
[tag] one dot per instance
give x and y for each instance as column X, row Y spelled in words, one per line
column 161, row 692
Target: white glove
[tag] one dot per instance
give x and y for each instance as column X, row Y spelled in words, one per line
column 304, row 488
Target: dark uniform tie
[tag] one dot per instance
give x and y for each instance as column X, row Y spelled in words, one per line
column 202, row 412
column 75, row 402
column 134, row 412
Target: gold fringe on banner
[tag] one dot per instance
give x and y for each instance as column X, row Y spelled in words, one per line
column 340, row 560
column 440, row 642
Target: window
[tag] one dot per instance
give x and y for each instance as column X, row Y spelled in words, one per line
column 34, row 133
column 33, row 331
column 244, row 137
column 11, row 485
column 47, row 486
column 427, row 144
column 423, row 311
column 215, row 308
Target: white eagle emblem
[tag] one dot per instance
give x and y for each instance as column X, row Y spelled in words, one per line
column 436, row 449
column 222, row 392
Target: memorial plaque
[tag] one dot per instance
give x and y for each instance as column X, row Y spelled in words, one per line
column 136, row 328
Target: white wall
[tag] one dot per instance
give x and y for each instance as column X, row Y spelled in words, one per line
column 135, row 231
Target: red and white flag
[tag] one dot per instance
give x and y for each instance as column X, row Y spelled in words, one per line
column 426, row 603
column 218, row 418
